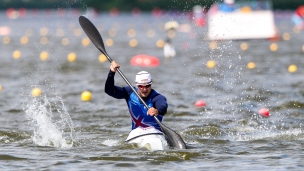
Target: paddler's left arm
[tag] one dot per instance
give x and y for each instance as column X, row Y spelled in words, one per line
column 160, row 103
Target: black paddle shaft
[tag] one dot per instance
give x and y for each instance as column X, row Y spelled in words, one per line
column 174, row 139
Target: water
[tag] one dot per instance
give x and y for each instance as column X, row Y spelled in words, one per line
column 57, row 131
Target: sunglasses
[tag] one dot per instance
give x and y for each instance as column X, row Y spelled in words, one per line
column 142, row 86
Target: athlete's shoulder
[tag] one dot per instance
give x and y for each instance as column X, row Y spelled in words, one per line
column 128, row 89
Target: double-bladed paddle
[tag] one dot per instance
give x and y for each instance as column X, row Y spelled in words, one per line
column 174, row 139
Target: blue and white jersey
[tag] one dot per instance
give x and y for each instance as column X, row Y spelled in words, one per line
column 138, row 111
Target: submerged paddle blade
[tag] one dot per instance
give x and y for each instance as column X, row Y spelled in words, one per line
column 173, row 138
column 94, row 35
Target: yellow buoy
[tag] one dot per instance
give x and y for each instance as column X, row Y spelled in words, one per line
column 102, row 58
column 109, row 42
column 65, row 41
column 0, row 87
column 131, row 33
column 273, row 47
column 303, row 48
column 36, row 92
column 211, row 64
column 16, row 54
column 86, row 96
column 160, row 43
column 244, row 46
column 44, row 56
column 133, row 43
column 246, row 9
column 24, row 40
column 6, row 40
column 251, row 65
column 85, row 41
column 72, row 57
column 213, row 45
column 292, row 68
column 286, row 36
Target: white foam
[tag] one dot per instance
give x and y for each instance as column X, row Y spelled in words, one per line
column 48, row 129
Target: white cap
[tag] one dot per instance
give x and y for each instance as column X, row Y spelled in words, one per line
column 229, row 1
column 143, row 78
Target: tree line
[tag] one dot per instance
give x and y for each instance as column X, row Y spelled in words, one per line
column 128, row 5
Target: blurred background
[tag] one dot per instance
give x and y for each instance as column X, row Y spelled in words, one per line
column 145, row 5
column 232, row 72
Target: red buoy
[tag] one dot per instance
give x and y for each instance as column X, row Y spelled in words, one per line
column 144, row 60
column 200, row 103
column 264, row 112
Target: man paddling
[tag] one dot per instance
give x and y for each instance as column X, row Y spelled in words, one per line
column 140, row 115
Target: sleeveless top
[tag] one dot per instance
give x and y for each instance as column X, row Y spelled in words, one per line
column 138, row 111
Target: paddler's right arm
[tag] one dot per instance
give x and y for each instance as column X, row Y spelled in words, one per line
column 110, row 88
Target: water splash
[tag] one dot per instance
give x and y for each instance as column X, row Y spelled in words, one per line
column 49, row 121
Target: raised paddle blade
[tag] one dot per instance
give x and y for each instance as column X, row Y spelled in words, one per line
column 173, row 138
column 92, row 32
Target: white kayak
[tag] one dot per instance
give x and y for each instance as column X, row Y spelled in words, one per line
column 149, row 138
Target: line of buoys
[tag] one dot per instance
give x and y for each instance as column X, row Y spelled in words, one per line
column 12, row 13
column 144, row 60
column 245, row 46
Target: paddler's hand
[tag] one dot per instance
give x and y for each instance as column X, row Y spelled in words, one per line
column 152, row 112
column 114, row 66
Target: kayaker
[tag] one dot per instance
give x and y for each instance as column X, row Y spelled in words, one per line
column 140, row 115
column 227, row 6
column 298, row 17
